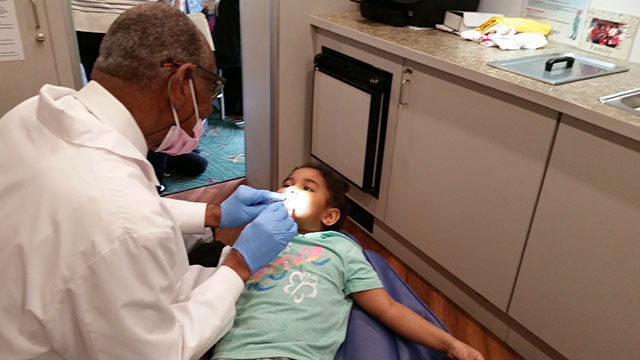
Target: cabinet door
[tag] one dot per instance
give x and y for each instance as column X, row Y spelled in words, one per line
column 579, row 284
column 41, row 64
column 391, row 64
column 467, row 167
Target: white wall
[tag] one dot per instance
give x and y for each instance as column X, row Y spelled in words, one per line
column 295, row 76
column 53, row 61
column 277, row 56
column 513, row 8
column 258, row 21
column 510, row 8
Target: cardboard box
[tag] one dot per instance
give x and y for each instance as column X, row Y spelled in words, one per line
column 465, row 20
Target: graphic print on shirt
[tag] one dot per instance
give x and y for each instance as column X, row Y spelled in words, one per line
column 289, row 268
column 301, row 285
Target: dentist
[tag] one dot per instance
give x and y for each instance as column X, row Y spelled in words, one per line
column 92, row 261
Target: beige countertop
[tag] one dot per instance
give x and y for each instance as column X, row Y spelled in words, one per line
column 466, row 59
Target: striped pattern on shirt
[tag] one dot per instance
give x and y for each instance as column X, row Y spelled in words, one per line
column 116, row 7
column 97, row 15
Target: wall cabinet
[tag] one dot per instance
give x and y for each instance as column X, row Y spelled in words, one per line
column 467, row 166
column 579, row 284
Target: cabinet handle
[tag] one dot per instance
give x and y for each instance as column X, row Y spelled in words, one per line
column 404, row 85
column 404, row 93
column 39, row 36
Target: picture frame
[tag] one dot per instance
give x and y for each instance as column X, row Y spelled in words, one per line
column 609, row 34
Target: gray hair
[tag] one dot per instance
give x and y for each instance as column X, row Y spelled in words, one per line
column 143, row 37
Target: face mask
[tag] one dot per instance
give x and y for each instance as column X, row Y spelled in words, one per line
column 177, row 141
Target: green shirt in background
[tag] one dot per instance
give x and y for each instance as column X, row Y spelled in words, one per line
column 298, row 305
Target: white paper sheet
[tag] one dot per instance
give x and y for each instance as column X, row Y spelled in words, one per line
column 10, row 42
column 564, row 16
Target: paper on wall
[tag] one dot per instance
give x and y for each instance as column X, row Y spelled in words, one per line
column 564, row 16
column 10, row 42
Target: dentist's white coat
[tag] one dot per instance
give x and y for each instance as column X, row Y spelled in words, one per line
column 92, row 261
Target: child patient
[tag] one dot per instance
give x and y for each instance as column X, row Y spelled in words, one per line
column 297, row 307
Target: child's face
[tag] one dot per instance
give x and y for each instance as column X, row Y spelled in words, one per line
column 307, row 198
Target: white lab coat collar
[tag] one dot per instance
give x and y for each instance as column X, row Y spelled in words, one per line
column 111, row 111
column 112, row 126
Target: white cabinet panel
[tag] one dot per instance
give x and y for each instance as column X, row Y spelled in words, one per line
column 579, row 285
column 467, row 167
column 384, row 61
column 340, row 120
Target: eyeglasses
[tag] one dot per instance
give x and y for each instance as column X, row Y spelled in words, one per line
column 215, row 88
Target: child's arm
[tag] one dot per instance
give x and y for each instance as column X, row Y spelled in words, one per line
column 412, row 326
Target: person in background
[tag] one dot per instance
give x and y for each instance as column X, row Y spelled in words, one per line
column 226, row 37
column 192, row 164
column 594, row 33
column 189, row 6
column 93, row 263
column 614, row 38
column 282, row 312
column 92, row 18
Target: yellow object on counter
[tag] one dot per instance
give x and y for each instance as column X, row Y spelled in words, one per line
column 521, row 25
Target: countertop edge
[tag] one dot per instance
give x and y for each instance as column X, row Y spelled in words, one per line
column 580, row 112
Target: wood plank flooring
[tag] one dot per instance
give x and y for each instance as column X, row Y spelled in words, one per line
column 455, row 319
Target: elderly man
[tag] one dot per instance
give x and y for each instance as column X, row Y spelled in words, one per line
column 92, row 18
column 93, row 262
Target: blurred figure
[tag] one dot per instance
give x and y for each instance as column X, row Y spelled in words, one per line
column 191, row 164
column 576, row 24
column 91, row 19
column 614, row 37
column 226, row 37
column 189, row 6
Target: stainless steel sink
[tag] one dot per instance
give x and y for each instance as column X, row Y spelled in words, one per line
column 627, row 100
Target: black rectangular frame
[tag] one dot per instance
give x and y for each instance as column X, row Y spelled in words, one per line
column 376, row 82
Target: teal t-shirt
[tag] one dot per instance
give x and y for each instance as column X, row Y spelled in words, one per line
column 298, row 305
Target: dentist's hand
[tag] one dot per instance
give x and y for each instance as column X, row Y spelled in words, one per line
column 266, row 236
column 244, row 205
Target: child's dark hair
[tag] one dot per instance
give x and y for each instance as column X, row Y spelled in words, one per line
column 337, row 188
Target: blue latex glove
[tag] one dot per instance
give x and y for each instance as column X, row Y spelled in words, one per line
column 266, row 236
column 244, row 205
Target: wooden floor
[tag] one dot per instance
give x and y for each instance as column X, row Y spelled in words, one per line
column 455, row 319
